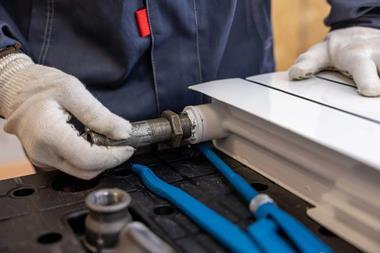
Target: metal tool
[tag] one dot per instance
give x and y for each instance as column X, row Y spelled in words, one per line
column 170, row 128
column 107, row 217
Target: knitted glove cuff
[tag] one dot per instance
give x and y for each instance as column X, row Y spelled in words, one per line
column 10, row 84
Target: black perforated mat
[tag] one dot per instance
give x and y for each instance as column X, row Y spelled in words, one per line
column 45, row 212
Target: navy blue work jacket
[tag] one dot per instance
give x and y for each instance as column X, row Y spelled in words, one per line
column 191, row 41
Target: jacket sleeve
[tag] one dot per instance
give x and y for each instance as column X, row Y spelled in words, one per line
column 9, row 31
column 346, row 13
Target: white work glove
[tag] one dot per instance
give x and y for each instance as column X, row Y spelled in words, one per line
column 36, row 101
column 352, row 51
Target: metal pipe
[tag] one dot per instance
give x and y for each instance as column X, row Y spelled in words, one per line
column 147, row 132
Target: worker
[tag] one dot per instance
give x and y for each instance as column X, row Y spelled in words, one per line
column 108, row 61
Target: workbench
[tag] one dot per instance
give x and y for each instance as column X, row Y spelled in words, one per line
column 45, row 212
column 310, row 145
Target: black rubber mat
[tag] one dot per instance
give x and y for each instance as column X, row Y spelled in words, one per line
column 45, row 212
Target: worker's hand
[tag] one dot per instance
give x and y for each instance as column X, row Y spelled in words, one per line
column 37, row 102
column 352, row 51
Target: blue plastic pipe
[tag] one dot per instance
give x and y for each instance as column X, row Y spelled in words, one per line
column 301, row 237
column 223, row 230
column 239, row 183
column 266, row 234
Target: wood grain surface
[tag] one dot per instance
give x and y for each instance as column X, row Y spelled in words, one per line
column 297, row 25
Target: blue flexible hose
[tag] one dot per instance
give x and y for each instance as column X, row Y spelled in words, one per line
column 223, row 230
column 239, row 183
column 301, row 237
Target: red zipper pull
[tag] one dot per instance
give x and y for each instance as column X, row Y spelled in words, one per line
column 142, row 22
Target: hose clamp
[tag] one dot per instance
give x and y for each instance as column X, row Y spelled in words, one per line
column 259, row 200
